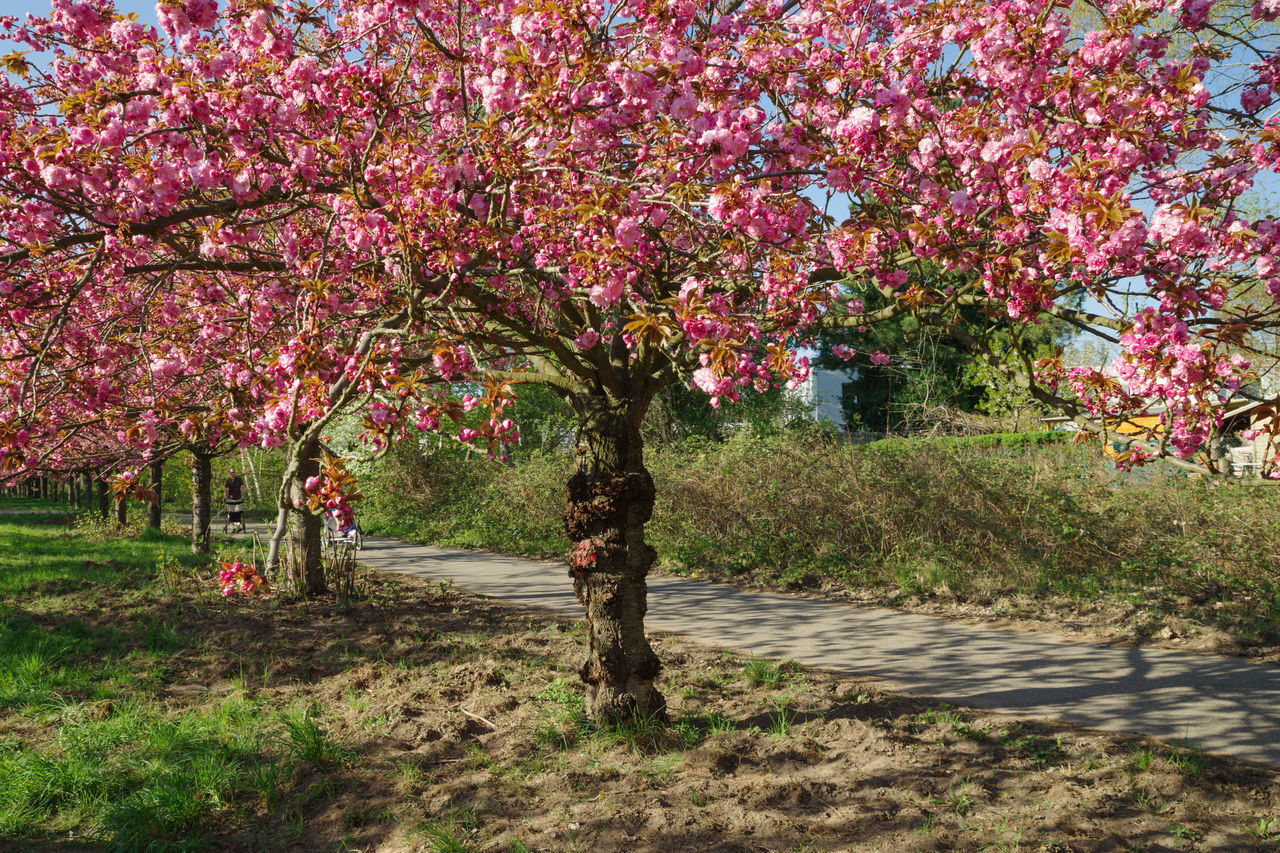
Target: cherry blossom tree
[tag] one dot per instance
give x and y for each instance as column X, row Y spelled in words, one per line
column 412, row 207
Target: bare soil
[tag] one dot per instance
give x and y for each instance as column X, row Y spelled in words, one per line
column 460, row 719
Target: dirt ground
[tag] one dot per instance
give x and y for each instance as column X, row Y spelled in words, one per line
column 460, row 724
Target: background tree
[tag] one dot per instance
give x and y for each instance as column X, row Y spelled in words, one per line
column 906, row 376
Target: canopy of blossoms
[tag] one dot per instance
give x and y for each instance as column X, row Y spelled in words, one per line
column 266, row 210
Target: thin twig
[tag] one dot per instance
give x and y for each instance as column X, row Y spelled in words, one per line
column 488, row 723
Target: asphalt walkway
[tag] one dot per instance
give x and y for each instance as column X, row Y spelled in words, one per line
column 1220, row 704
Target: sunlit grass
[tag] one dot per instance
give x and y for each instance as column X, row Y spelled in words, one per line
column 111, row 761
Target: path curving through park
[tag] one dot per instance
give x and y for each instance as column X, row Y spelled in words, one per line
column 1220, row 704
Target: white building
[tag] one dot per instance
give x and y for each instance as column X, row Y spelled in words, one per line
column 821, row 394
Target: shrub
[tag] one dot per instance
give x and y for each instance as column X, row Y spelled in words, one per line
column 976, row 516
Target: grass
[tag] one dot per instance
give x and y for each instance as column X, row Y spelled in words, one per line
column 309, row 741
column 1142, row 758
column 44, row 670
column 1189, row 759
column 959, row 798
column 761, row 672
column 449, row 835
column 780, row 720
column 121, row 769
column 23, row 504
column 138, row 777
column 1186, row 758
column 1040, row 750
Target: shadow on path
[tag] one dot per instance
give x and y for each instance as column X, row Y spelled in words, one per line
column 1220, row 704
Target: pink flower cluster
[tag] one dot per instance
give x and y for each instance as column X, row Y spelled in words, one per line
column 1161, row 361
column 584, row 556
column 241, row 577
column 228, row 229
column 332, row 496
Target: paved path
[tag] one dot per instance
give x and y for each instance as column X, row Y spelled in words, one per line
column 1221, row 704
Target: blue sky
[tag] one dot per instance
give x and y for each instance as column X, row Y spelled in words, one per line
column 146, row 10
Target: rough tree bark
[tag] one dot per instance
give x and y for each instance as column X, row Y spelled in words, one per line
column 305, row 529
column 609, row 500
column 122, row 511
column 201, row 488
column 103, row 502
column 156, row 473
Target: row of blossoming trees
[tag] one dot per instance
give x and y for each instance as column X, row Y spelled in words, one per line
column 234, row 228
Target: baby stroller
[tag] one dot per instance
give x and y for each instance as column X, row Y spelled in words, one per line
column 233, row 492
column 336, row 533
column 235, row 519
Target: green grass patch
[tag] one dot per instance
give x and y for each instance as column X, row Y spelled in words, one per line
column 13, row 503
column 308, row 739
column 135, row 779
column 85, row 641
column 50, row 657
column 761, row 672
column 47, row 560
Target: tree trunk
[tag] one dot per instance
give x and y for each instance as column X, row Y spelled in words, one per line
column 122, row 511
column 201, row 500
column 305, row 531
column 610, row 498
column 255, row 484
column 103, row 503
column 156, row 473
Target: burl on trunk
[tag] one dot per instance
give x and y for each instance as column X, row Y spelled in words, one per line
column 610, row 498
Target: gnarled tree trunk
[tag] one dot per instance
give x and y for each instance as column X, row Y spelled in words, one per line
column 103, row 501
column 201, row 488
column 156, row 473
column 610, row 498
column 306, row 529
